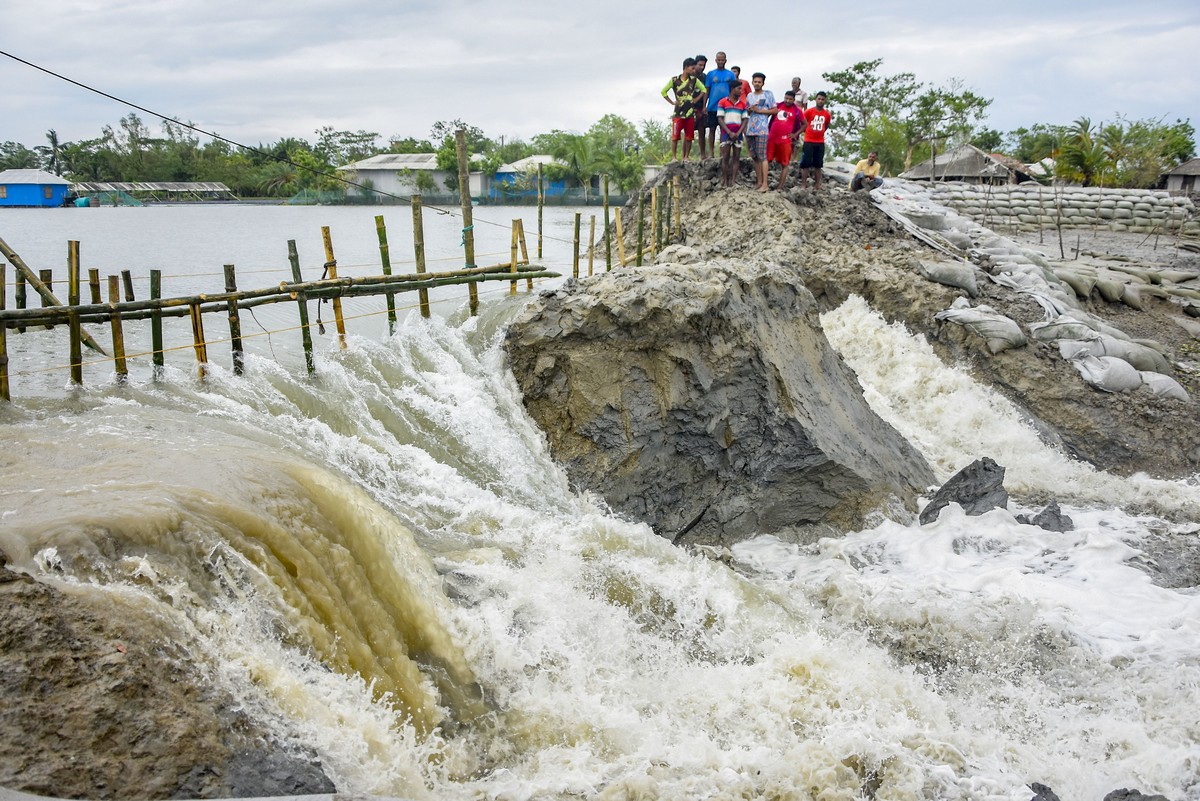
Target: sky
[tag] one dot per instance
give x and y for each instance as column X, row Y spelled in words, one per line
column 259, row 70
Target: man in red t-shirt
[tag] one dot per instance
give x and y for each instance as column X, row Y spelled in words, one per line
column 812, row 157
column 785, row 127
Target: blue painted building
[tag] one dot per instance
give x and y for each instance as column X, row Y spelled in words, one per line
column 519, row 179
column 32, row 188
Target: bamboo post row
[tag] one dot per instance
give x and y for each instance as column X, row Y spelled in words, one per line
column 73, row 316
column 464, row 196
column 235, row 322
column 385, row 260
column 27, row 274
column 331, row 267
column 419, row 250
column 607, row 237
column 156, row 330
column 302, row 302
column 4, row 396
column 677, row 205
column 118, row 332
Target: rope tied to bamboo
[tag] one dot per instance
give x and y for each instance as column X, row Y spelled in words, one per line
column 470, row 227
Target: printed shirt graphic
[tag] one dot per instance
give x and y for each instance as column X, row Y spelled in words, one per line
column 686, row 94
column 717, row 82
column 732, row 112
column 759, row 123
column 783, row 124
column 818, row 123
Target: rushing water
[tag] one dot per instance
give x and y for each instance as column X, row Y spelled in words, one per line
column 492, row 633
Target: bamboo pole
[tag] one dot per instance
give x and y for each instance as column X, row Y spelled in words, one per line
column 73, row 319
column 524, row 251
column 575, row 258
column 127, row 280
column 40, row 288
column 678, row 206
column 620, row 239
column 641, row 224
column 284, row 291
column 19, row 295
column 607, row 235
column 386, row 260
column 419, row 250
column 4, row 396
column 47, row 277
column 331, row 266
column 592, row 245
column 541, row 199
column 464, row 196
column 198, row 340
column 655, row 221
column 512, row 287
column 235, row 323
column 156, row 331
column 118, row 332
column 94, row 284
column 302, row 302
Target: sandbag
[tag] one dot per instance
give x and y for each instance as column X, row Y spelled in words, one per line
column 1108, row 373
column 1163, row 386
column 1061, row 329
column 1110, row 290
column 1001, row 333
column 1081, row 283
column 955, row 274
column 1139, row 356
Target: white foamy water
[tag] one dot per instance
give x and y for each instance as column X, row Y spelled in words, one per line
column 588, row 657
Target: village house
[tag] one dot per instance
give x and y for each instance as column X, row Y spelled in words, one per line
column 405, row 174
column 971, row 165
column 1182, row 179
column 32, row 188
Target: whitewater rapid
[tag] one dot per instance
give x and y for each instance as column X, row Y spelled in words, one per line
column 322, row 540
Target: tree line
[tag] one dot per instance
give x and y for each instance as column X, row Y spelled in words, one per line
column 905, row 120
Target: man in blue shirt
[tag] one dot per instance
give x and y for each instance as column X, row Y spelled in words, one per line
column 716, row 83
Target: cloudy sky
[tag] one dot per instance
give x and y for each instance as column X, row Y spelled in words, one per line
column 258, row 70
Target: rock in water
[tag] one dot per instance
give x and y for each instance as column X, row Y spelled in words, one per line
column 977, row 488
column 705, row 397
column 1051, row 518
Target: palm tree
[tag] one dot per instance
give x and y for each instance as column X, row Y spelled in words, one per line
column 1083, row 157
column 53, row 152
column 580, row 156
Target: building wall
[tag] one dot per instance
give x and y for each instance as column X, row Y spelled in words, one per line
column 404, row 184
column 32, row 194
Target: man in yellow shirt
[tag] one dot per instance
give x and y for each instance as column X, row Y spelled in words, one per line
column 866, row 173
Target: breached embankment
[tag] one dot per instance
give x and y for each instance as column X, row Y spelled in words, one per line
column 648, row 388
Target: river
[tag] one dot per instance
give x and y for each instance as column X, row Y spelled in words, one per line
column 389, row 570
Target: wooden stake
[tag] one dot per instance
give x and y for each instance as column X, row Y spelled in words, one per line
column 20, row 295
column 512, row 287
column 198, row 340
column 575, row 260
column 678, row 210
column 94, row 284
column 47, row 277
column 419, row 249
column 607, row 234
column 40, row 288
column 464, row 195
column 156, row 331
column 73, row 319
column 235, row 323
column 118, row 333
column 524, row 252
column 641, row 225
column 620, row 240
column 3, row 335
column 592, row 244
column 302, row 302
column 127, row 280
column 541, row 199
column 386, row 260
column 331, row 266
column 656, row 221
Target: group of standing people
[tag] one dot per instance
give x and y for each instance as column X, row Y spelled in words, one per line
column 721, row 101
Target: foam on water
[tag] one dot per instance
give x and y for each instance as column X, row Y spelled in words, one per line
column 957, row 661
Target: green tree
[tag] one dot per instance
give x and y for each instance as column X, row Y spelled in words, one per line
column 1036, row 143
column 1081, row 158
column 15, row 156
column 988, row 139
column 861, row 92
column 579, row 156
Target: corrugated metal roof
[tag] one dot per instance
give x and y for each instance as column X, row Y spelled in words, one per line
column 395, row 161
column 1189, row 167
column 39, row 177
column 529, row 163
column 153, row 186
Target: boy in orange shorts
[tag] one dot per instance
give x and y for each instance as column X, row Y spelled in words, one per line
column 785, row 128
